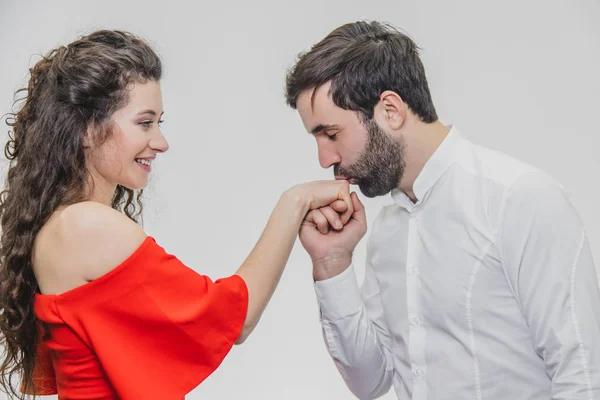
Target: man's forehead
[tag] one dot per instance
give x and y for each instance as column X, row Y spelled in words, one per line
column 321, row 96
column 315, row 103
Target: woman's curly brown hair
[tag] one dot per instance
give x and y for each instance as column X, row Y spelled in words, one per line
column 70, row 88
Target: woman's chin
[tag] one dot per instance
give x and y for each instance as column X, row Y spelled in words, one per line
column 135, row 185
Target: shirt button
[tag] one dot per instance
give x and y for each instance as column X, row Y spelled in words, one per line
column 419, row 372
column 416, row 321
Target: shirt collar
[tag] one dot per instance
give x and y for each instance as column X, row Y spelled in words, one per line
column 432, row 171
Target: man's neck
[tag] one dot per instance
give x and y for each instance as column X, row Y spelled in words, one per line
column 421, row 141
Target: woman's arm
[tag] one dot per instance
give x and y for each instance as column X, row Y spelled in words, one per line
column 77, row 252
column 264, row 266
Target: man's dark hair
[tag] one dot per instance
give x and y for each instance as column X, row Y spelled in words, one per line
column 362, row 60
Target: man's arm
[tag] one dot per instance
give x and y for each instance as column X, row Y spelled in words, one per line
column 355, row 332
column 549, row 265
column 353, row 326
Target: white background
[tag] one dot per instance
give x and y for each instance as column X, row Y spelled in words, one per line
column 520, row 77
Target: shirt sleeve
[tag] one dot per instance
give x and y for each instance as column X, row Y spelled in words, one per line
column 157, row 327
column 549, row 265
column 355, row 332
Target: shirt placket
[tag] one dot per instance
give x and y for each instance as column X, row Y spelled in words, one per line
column 416, row 331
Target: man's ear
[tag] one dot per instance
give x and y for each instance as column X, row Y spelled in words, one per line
column 390, row 110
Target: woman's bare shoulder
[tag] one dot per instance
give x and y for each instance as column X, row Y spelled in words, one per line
column 83, row 242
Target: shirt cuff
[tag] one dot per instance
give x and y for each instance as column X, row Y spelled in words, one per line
column 339, row 297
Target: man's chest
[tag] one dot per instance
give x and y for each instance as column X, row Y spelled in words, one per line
column 437, row 271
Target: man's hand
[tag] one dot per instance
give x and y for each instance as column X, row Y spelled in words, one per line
column 331, row 250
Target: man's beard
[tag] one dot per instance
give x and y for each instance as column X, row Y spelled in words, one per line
column 379, row 167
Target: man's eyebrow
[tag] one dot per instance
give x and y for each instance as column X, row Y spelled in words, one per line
column 322, row 127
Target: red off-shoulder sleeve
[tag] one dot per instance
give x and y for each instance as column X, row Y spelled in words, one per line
column 44, row 378
column 157, row 327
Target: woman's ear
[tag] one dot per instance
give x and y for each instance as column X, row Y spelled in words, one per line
column 88, row 136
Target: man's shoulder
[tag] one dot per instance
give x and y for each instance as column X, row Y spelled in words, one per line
column 495, row 166
column 539, row 189
column 515, row 177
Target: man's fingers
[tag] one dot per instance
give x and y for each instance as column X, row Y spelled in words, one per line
column 316, row 217
column 333, row 218
column 346, row 215
column 358, row 208
column 339, row 206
